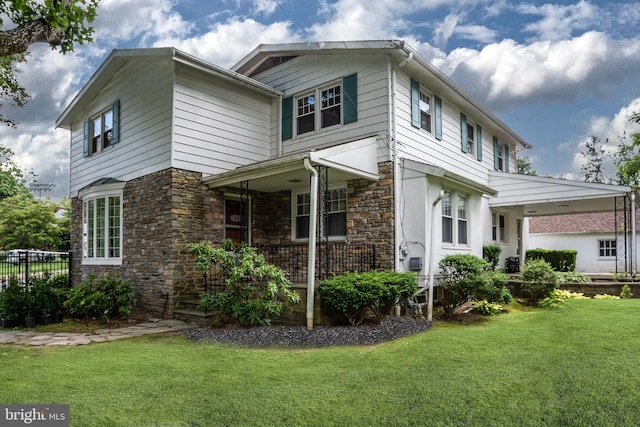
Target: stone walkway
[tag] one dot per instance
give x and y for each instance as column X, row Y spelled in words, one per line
column 102, row 335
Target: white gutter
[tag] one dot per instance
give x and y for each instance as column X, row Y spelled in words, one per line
column 311, row 262
column 432, row 258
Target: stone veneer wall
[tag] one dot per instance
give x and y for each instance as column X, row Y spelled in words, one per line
column 162, row 213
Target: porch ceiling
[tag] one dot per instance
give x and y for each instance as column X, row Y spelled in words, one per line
column 345, row 162
column 541, row 196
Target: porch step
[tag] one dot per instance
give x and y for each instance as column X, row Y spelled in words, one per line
column 194, row 316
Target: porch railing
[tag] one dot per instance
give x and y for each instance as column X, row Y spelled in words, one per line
column 331, row 259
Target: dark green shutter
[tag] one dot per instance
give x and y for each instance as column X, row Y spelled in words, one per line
column 85, row 138
column 287, row 118
column 438, row 108
column 479, row 142
column 496, row 161
column 415, row 103
column 506, row 158
column 350, row 92
column 464, row 144
column 115, row 132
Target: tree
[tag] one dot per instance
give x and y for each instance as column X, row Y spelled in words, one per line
column 524, row 166
column 12, row 178
column 628, row 159
column 595, row 156
column 60, row 23
column 28, row 223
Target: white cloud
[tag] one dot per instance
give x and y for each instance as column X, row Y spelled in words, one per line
column 445, row 29
column 266, row 7
column 558, row 21
column 507, row 72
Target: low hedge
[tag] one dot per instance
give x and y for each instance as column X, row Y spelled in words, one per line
column 352, row 294
column 560, row 260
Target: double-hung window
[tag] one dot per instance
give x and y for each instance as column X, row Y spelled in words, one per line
column 308, row 117
column 102, row 225
column 426, row 110
column 102, row 130
column 500, row 155
column 455, row 218
column 471, row 142
column 336, row 213
column 498, row 227
column 607, row 248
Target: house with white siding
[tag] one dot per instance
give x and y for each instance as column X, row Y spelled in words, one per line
column 328, row 157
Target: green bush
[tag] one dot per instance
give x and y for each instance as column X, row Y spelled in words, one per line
column 491, row 254
column 560, row 260
column 255, row 291
column 105, row 298
column 572, row 277
column 557, row 298
column 13, row 301
column 538, row 280
column 352, row 294
column 625, row 292
column 486, row 308
column 468, row 277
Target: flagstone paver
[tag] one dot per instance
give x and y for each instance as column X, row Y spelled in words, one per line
column 36, row 339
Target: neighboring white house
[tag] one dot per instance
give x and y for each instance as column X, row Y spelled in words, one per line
column 602, row 239
column 366, row 136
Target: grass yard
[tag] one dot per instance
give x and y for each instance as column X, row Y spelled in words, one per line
column 577, row 366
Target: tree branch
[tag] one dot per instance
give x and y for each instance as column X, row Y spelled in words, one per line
column 18, row 40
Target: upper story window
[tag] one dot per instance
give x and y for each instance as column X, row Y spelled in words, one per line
column 470, row 137
column 500, row 155
column 102, row 225
column 338, row 104
column 102, row 130
column 336, row 208
column 426, row 110
column 455, row 210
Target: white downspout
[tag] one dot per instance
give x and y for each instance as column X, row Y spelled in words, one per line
column 432, row 257
column 393, row 149
column 311, row 262
column 280, row 126
column 634, row 257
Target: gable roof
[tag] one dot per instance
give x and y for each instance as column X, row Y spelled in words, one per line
column 267, row 56
column 119, row 57
column 600, row 222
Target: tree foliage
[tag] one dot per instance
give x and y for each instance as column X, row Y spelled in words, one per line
column 594, row 155
column 60, row 23
column 12, row 177
column 28, row 223
column 524, row 166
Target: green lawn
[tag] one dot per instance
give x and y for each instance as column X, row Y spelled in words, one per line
column 577, row 366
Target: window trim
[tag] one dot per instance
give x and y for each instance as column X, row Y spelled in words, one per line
column 294, row 210
column 455, row 218
column 88, row 130
column 500, row 153
column 611, row 248
column 499, row 227
column 92, row 194
column 416, row 90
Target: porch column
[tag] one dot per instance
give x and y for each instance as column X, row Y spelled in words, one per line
column 311, row 261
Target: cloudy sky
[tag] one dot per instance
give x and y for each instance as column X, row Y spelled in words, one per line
column 556, row 73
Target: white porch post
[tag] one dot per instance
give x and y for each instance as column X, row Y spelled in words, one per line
column 311, row 262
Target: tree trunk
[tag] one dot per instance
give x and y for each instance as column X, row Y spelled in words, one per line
column 18, row 40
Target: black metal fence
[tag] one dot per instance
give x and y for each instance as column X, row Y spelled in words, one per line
column 26, row 264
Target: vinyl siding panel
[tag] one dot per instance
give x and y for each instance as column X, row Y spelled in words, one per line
column 144, row 90
column 218, row 126
column 304, row 74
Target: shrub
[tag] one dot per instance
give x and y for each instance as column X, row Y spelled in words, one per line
column 625, row 292
column 352, row 294
column 559, row 297
column 105, row 298
column 486, row 308
column 13, row 301
column 538, row 279
column 469, row 277
column 560, row 260
column 572, row 277
column 491, row 254
column 606, row 296
column 255, row 291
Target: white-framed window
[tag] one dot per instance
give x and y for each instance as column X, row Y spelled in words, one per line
column 499, row 227
column 455, row 218
column 425, row 111
column 471, row 139
column 500, row 157
column 101, row 130
column 336, row 206
column 607, row 248
column 309, row 117
column 102, row 224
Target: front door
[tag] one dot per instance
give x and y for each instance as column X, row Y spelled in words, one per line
column 236, row 220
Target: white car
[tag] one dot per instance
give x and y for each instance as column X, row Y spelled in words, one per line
column 19, row 256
